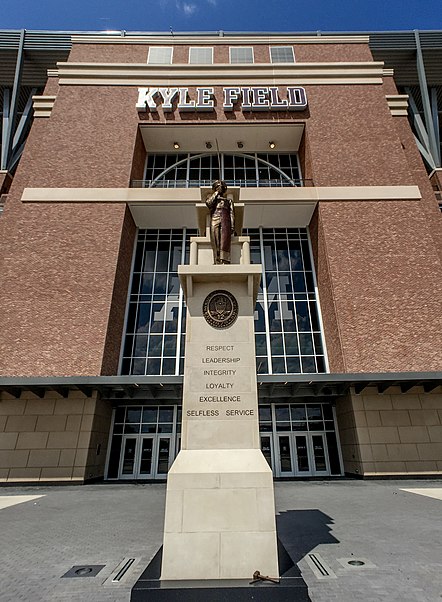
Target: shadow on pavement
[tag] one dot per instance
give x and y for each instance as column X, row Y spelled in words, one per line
column 302, row 530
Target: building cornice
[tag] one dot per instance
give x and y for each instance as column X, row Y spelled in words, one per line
column 142, row 74
column 215, row 40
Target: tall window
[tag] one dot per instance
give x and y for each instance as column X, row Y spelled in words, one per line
column 160, row 55
column 241, row 54
column 287, row 327
column 282, row 54
column 241, row 169
column 201, row 55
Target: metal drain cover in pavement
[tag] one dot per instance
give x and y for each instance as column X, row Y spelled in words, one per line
column 84, row 570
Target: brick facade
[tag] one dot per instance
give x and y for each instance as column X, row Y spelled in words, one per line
column 65, row 267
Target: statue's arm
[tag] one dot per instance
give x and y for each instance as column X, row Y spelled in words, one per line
column 212, row 200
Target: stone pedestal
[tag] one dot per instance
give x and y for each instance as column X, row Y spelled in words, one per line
column 220, row 514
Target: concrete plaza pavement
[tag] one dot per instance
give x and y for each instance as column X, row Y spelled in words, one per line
column 323, row 524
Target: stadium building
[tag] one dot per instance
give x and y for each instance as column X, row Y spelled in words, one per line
column 331, row 143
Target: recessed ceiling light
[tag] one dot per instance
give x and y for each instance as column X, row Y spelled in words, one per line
column 272, row 144
column 176, row 145
column 240, row 144
column 208, row 145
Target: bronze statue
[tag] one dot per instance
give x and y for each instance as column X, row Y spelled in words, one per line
column 222, row 222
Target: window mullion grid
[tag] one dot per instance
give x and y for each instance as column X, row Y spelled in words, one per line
column 166, row 305
column 318, row 308
column 132, row 355
column 308, row 300
column 279, row 299
column 180, row 309
column 188, row 171
column 266, row 303
column 152, row 303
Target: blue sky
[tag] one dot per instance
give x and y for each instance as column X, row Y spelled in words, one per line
column 228, row 15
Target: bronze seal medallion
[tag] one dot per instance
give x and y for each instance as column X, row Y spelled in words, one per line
column 220, row 309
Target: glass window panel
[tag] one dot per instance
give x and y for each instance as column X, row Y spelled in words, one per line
column 155, row 343
column 128, row 345
column 163, row 455
column 160, row 284
column 168, row 365
column 285, row 456
column 133, row 415
column 165, row 414
column 169, row 345
column 269, row 257
column 320, row 363
column 149, row 257
column 150, row 414
column 278, row 365
column 262, row 365
column 310, row 282
column 329, row 425
column 259, row 318
column 297, row 412
column 261, row 344
column 157, row 317
column 265, row 413
column 153, row 366
column 276, row 344
column 288, row 317
column 285, row 283
column 282, row 413
column 149, row 428
column 299, row 426
column 143, row 317
column 172, row 317
column 295, row 256
column 283, row 426
column 314, row 316
column 314, row 412
column 139, row 366
column 118, row 429
column 299, row 282
column 327, row 411
column 120, row 414
column 130, row 429
column 140, row 345
column 146, row 283
column 315, row 426
column 173, row 287
column 306, row 343
column 274, row 317
column 165, row 428
column 302, row 316
column 333, row 454
column 293, row 365
column 282, row 54
column 318, row 343
column 131, row 317
column 308, row 364
column 291, row 343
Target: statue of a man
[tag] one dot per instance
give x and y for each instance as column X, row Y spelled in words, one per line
column 222, row 222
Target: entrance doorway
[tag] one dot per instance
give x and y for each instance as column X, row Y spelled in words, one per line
column 145, row 457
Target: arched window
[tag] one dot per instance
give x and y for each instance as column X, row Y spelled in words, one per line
column 237, row 169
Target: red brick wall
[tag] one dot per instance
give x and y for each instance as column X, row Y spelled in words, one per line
column 65, row 266
column 62, row 293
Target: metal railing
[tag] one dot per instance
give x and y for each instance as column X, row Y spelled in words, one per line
column 276, row 183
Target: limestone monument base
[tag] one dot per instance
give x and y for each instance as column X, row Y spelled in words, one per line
column 220, row 513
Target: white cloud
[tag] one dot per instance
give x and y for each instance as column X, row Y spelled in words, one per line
column 188, row 8
column 212, row 2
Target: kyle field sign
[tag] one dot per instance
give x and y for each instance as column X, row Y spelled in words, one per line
column 253, row 98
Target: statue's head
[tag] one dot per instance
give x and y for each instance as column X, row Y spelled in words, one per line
column 219, row 186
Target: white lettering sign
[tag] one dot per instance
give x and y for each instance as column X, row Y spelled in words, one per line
column 253, row 98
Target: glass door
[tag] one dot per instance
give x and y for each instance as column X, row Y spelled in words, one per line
column 267, row 449
column 319, row 454
column 146, row 467
column 302, row 456
column 285, row 464
column 128, row 458
column 162, row 459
